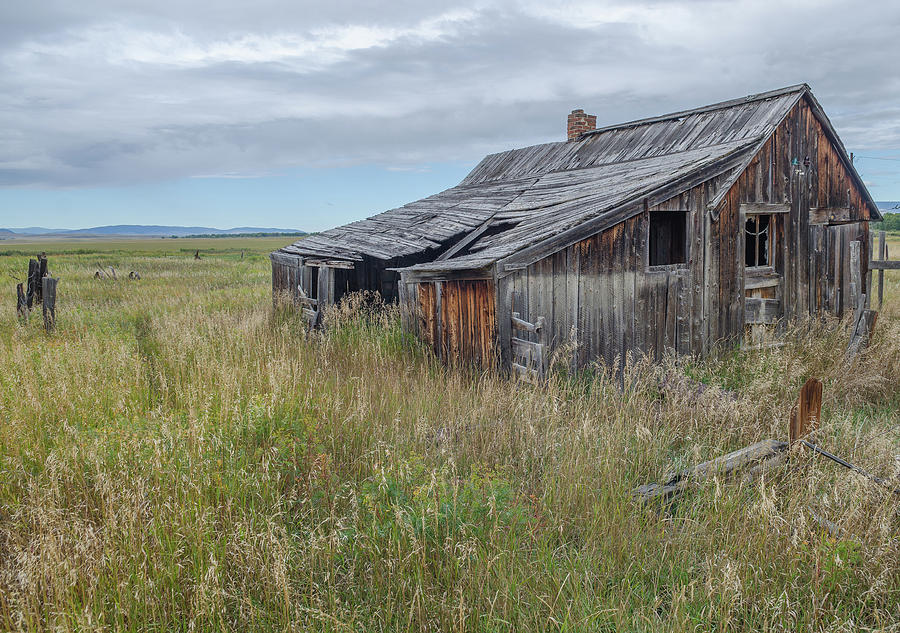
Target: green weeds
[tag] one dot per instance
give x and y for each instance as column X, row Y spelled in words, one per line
column 182, row 455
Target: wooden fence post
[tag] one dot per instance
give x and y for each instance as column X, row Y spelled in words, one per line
column 49, row 294
column 861, row 332
column 21, row 301
column 882, row 255
column 32, row 283
column 807, row 411
column 42, row 272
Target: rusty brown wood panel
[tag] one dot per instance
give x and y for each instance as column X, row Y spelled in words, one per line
column 468, row 322
column 450, row 321
column 428, row 314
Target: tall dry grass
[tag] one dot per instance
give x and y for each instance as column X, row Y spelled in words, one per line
column 180, row 456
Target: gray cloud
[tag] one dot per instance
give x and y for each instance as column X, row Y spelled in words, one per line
column 96, row 93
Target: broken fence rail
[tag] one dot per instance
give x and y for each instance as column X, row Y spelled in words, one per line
column 761, row 456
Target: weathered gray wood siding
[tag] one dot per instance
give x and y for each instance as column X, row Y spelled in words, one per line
column 800, row 167
column 598, row 299
column 286, row 273
column 601, row 296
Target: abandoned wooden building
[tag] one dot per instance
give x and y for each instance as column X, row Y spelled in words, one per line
column 674, row 232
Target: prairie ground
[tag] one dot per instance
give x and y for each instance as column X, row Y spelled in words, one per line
column 179, row 455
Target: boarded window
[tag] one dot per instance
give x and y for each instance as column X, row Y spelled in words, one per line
column 758, row 241
column 668, row 237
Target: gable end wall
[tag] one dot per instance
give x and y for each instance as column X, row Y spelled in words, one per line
column 600, row 302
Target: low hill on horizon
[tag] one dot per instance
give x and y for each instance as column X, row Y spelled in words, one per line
column 144, row 230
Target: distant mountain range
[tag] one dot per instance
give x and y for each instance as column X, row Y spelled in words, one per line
column 154, row 230
column 141, row 230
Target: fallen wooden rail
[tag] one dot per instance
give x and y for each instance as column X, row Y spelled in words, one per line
column 761, row 456
column 863, row 325
column 755, row 458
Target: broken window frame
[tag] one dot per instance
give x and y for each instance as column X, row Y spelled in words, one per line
column 756, row 234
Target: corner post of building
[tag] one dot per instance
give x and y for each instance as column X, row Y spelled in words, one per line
column 408, row 320
column 503, row 290
column 325, row 290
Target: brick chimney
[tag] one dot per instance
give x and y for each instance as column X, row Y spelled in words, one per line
column 579, row 123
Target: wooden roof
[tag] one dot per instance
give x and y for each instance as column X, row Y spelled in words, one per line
column 517, row 199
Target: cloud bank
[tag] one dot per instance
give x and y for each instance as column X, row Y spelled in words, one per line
column 118, row 93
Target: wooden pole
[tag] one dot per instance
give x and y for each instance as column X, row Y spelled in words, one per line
column 807, row 411
column 49, row 294
column 882, row 255
column 869, row 256
column 42, row 272
column 33, row 281
column 861, row 333
column 855, row 277
column 21, row 301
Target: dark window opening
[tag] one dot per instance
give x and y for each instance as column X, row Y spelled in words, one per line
column 668, row 237
column 344, row 282
column 757, row 249
column 313, row 291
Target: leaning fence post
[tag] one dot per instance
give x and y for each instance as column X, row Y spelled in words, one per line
column 49, row 294
column 855, row 277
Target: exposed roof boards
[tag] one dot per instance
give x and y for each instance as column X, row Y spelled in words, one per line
column 540, row 192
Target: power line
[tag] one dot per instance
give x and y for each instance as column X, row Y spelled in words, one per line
column 877, row 158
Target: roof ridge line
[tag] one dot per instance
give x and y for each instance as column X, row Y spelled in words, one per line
column 721, row 105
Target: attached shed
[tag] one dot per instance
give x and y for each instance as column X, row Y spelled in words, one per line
column 675, row 232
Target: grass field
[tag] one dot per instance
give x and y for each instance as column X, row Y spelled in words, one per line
column 222, row 246
column 179, row 455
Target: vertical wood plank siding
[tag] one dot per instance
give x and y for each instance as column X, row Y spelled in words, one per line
column 285, row 274
column 599, row 296
column 457, row 319
column 597, row 299
column 811, row 258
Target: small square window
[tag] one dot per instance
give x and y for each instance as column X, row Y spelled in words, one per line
column 668, row 238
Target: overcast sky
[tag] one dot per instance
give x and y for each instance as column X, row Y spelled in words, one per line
column 308, row 114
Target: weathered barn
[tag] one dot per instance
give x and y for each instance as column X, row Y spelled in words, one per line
column 675, row 232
